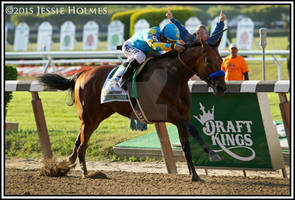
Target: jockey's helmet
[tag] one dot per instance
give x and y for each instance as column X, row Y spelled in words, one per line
column 171, row 32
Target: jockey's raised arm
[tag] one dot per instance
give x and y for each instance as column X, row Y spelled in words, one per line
column 201, row 31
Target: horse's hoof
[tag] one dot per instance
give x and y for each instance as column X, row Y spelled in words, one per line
column 214, row 157
column 72, row 165
column 68, row 164
column 71, row 160
column 84, row 175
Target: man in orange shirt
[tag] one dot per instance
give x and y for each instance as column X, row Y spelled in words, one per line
column 235, row 66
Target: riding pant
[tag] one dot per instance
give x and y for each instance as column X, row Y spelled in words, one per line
column 133, row 53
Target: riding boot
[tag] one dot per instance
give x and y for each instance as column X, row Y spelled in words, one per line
column 127, row 74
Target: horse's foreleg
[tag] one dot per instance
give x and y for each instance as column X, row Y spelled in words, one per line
column 195, row 133
column 183, row 135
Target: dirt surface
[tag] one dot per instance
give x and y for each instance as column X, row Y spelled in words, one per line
column 22, row 177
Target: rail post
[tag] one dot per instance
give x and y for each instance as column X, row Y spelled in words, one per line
column 41, row 125
column 285, row 112
column 262, row 32
column 166, row 148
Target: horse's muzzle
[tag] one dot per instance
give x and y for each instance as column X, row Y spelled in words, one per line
column 219, row 88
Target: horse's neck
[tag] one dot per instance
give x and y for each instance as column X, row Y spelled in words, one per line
column 175, row 70
column 182, row 72
column 189, row 59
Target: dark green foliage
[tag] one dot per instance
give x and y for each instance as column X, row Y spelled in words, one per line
column 266, row 13
column 201, row 14
column 156, row 16
column 288, row 61
column 261, row 13
column 10, row 74
column 230, row 11
column 153, row 15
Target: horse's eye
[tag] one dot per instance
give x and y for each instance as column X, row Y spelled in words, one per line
column 208, row 62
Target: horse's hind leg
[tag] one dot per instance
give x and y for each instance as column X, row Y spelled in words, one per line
column 85, row 133
column 88, row 124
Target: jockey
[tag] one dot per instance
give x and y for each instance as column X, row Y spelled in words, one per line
column 148, row 42
column 201, row 31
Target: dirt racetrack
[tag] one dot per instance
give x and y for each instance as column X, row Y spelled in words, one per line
column 22, row 178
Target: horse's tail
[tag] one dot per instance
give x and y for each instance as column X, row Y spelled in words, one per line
column 56, row 81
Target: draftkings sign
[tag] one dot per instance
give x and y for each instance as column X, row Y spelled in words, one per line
column 239, row 128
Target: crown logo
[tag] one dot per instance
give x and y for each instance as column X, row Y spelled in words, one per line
column 205, row 116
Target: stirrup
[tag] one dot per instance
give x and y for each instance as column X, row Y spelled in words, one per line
column 122, row 84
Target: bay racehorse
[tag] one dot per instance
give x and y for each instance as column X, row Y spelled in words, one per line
column 163, row 94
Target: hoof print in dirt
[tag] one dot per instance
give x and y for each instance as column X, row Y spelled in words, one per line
column 96, row 175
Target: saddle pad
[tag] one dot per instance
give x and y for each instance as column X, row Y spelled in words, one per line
column 111, row 91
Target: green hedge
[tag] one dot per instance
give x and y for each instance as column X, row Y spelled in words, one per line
column 156, row 16
column 10, row 74
column 202, row 15
column 124, row 17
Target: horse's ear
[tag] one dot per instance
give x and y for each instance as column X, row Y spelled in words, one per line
column 204, row 46
column 203, row 43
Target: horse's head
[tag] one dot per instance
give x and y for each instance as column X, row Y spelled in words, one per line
column 207, row 65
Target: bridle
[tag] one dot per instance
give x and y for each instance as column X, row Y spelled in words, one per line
column 210, row 79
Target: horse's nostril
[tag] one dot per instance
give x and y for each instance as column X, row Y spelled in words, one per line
column 223, row 88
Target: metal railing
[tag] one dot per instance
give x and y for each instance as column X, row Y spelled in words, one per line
column 115, row 54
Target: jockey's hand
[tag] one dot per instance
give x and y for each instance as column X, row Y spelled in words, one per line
column 179, row 48
column 169, row 14
column 222, row 17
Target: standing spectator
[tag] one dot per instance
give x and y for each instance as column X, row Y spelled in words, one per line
column 235, row 66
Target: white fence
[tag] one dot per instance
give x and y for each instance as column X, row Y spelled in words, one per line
column 116, row 54
column 49, row 58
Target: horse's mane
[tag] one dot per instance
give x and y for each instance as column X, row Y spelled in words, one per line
column 195, row 43
column 168, row 54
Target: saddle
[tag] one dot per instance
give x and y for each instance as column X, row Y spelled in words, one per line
column 132, row 91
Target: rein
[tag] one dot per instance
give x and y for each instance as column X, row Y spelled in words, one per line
column 185, row 65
